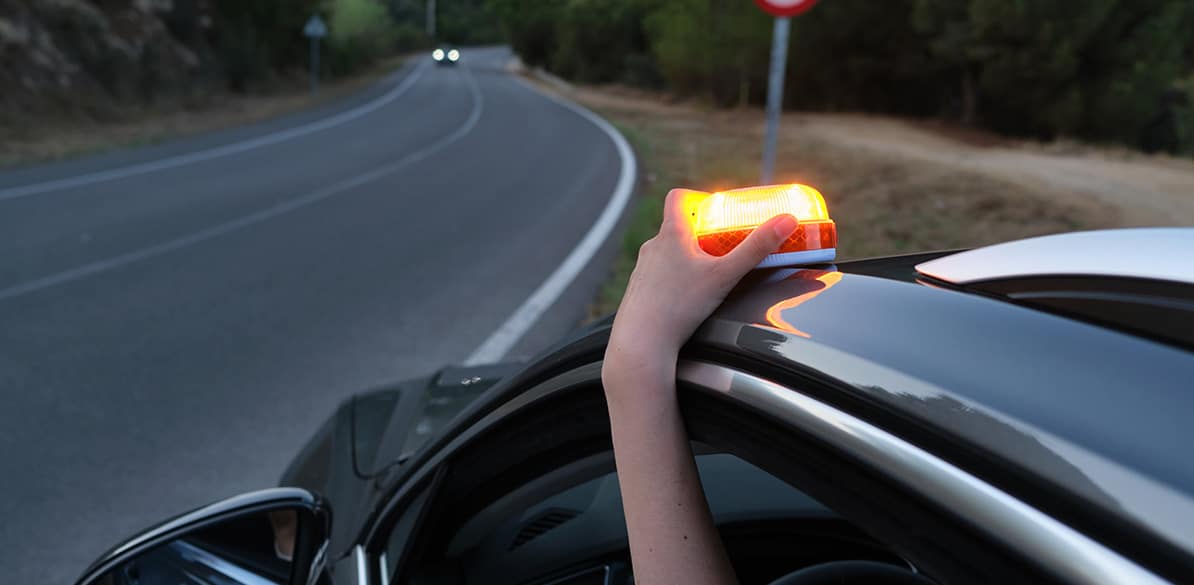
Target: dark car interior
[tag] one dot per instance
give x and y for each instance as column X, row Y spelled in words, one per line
column 567, row 528
column 534, row 500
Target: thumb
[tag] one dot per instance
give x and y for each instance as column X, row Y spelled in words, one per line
column 765, row 240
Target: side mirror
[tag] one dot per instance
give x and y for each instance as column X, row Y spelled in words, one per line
column 272, row 537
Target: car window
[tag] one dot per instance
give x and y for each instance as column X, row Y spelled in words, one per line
column 568, row 525
column 532, row 499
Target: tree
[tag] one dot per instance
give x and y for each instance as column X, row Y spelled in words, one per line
column 254, row 38
column 530, row 26
column 1094, row 68
column 712, row 46
column 594, row 39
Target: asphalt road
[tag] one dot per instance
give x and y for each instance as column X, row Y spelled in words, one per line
column 175, row 321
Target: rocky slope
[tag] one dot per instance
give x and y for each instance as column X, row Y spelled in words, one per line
column 64, row 58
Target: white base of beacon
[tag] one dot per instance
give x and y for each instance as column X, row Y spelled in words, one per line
column 797, row 258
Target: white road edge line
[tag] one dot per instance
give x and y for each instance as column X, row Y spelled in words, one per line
column 255, row 217
column 503, row 339
column 219, row 151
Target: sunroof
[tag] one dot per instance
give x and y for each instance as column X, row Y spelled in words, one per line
column 1165, row 254
column 1137, row 280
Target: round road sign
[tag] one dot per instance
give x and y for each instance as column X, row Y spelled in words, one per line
column 784, row 8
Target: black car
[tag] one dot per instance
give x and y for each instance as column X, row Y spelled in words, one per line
column 1021, row 413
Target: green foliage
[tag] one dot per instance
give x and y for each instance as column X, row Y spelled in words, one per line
column 710, row 46
column 360, row 32
column 1099, row 69
column 1133, row 89
column 467, row 22
column 595, row 38
column 859, row 55
column 530, row 26
column 1094, row 68
column 254, row 38
column 358, row 19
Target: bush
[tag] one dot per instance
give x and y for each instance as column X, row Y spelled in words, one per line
column 594, row 39
column 531, row 27
column 254, row 38
column 467, row 22
column 359, row 33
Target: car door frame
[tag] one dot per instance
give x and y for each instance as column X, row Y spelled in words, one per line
column 996, row 517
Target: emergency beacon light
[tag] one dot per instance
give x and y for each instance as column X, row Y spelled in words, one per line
column 723, row 220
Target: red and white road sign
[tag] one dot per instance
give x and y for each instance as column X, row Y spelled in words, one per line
column 784, row 8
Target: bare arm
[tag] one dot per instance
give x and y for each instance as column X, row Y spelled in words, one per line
column 674, row 287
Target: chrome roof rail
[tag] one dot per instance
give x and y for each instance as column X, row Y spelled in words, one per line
column 1151, row 253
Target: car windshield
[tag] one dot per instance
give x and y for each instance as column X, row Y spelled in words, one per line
column 221, row 219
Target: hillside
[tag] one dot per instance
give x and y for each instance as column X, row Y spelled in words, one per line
column 69, row 58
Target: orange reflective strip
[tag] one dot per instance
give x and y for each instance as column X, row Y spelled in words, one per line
column 808, row 236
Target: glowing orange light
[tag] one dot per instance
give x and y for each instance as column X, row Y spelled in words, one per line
column 724, row 219
column 775, row 313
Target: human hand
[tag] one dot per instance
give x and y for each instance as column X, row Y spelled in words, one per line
column 675, row 286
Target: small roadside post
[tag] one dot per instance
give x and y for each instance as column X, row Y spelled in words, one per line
column 314, row 30
column 783, row 11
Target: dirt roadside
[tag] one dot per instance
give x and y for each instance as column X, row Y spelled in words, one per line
column 1149, row 190
column 894, row 186
column 1143, row 189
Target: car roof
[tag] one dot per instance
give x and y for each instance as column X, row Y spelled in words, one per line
column 1039, row 398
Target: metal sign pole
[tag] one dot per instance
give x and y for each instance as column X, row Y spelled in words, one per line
column 775, row 95
column 314, row 64
column 315, row 29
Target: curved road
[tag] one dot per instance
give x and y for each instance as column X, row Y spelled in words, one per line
column 175, row 321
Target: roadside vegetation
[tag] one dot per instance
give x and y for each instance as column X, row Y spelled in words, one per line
column 893, row 185
column 59, row 139
column 1117, row 71
column 86, row 75
column 929, row 124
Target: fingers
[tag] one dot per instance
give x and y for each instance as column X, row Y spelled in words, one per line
column 765, row 240
column 679, row 210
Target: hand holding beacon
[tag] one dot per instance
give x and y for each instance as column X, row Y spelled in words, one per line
column 722, row 220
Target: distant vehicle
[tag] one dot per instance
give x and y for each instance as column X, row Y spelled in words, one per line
column 1018, row 413
column 445, row 56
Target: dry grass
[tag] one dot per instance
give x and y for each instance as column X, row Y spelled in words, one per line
column 49, row 140
column 883, row 203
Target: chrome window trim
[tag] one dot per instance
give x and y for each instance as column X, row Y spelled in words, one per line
column 1069, row 554
column 1151, row 253
column 358, row 553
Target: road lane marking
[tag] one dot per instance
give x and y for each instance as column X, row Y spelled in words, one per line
column 255, row 217
column 501, row 341
column 217, row 152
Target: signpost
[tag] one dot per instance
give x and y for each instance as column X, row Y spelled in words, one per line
column 315, row 29
column 783, row 11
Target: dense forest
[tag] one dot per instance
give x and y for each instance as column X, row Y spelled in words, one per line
column 1104, row 70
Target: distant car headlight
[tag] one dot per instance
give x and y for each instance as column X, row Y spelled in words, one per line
column 438, row 55
column 453, row 55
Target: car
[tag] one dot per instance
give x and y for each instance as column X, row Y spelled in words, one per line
column 1016, row 413
column 445, row 56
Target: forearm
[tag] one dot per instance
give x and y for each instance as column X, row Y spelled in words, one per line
column 672, row 535
column 675, row 286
